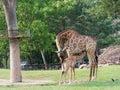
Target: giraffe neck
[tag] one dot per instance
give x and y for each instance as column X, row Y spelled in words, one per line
column 62, row 38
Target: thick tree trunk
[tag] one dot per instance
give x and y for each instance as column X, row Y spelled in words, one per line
column 44, row 60
column 11, row 19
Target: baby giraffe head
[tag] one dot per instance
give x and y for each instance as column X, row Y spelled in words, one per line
column 61, row 56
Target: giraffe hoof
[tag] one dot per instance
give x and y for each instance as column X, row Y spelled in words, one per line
column 60, row 83
column 91, row 79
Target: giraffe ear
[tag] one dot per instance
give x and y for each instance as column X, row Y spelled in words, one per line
column 63, row 49
column 57, row 51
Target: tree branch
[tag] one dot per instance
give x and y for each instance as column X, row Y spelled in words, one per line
column 9, row 3
column 5, row 3
column 12, row 2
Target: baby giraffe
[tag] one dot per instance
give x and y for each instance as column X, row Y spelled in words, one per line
column 69, row 63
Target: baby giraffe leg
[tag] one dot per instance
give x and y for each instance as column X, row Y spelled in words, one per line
column 61, row 75
column 74, row 73
column 65, row 76
column 70, row 76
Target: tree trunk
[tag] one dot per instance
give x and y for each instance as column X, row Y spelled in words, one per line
column 30, row 61
column 44, row 60
column 11, row 19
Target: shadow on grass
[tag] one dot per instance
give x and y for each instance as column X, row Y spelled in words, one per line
column 98, row 84
column 89, row 84
column 52, row 84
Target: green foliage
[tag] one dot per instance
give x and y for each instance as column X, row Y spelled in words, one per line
column 41, row 36
column 4, row 53
column 104, row 8
column 46, row 18
column 2, row 18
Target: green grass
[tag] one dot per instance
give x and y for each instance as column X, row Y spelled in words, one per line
column 103, row 81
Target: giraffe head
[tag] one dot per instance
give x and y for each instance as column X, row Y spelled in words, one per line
column 60, row 51
column 61, row 39
column 61, row 55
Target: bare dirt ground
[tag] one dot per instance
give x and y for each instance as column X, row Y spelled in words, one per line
column 6, row 82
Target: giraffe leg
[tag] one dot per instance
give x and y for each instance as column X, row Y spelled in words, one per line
column 91, row 56
column 61, row 75
column 90, row 63
column 70, row 80
column 74, row 73
column 65, row 77
column 94, row 67
column 65, row 73
column 92, row 72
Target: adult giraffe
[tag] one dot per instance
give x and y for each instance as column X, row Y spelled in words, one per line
column 75, row 44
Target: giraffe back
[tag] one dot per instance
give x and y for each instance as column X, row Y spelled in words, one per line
column 74, row 42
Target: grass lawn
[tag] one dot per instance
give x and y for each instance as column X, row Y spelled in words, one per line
column 103, row 81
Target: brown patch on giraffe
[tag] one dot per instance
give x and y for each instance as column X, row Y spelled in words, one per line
column 74, row 45
column 71, row 41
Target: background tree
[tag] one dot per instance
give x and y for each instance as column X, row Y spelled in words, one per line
column 11, row 19
column 4, row 50
column 42, row 41
column 97, row 18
